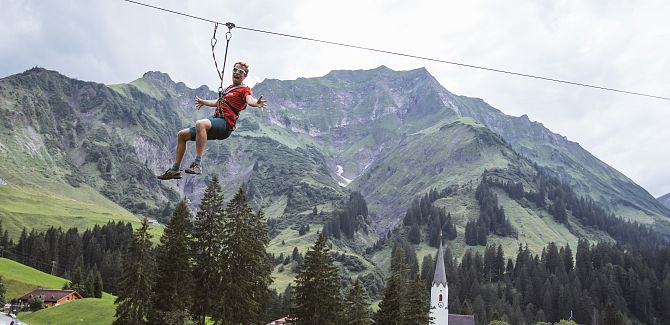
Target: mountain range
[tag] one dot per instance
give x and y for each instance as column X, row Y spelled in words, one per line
column 76, row 153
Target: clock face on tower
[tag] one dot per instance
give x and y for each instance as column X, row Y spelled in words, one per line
column 440, row 304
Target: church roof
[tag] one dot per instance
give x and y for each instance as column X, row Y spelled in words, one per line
column 440, row 274
column 461, row 319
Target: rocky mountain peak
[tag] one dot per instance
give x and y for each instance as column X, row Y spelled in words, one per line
column 160, row 77
column 665, row 200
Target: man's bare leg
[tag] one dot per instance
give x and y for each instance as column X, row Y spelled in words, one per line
column 183, row 136
column 201, row 128
column 173, row 172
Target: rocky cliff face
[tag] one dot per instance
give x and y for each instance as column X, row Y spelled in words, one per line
column 117, row 138
column 82, row 132
column 395, row 134
column 363, row 117
column 358, row 115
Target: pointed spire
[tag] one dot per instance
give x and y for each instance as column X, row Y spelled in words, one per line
column 440, row 274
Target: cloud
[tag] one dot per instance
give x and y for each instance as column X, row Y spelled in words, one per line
column 617, row 44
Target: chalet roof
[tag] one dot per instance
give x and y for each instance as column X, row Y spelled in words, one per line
column 461, row 319
column 440, row 274
column 49, row 295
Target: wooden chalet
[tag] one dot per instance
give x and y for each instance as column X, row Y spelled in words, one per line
column 51, row 297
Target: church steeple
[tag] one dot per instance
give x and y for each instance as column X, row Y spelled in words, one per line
column 440, row 275
column 439, row 292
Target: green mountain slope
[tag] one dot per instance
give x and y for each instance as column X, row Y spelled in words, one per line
column 75, row 153
column 58, row 205
column 20, row 279
column 453, row 154
column 72, row 146
column 66, row 148
column 585, row 173
column 84, row 311
column 362, row 117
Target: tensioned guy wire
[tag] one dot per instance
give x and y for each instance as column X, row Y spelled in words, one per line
column 405, row 54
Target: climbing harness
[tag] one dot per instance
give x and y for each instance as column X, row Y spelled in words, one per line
column 219, row 110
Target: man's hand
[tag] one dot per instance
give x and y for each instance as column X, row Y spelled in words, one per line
column 199, row 102
column 260, row 103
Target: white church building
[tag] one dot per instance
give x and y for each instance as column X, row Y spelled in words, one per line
column 439, row 297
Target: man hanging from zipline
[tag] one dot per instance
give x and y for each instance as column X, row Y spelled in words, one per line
column 232, row 100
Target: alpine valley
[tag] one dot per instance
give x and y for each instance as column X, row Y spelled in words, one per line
column 76, row 153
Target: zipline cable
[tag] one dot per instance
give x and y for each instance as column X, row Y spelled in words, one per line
column 406, row 55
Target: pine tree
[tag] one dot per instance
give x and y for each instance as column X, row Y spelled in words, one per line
column 613, row 316
column 583, row 264
column 391, row 306
column 206, row 249
column 568, row 259
column 415, row 234
column 357, row 309
column 288, row 300
column 5, row 241
column 248, row 269
column 21, row 247
column 4, row 237
column 427, row 270
column 77, row 279
column 134, row 300
column 471, row 233
column 317, row 291
column 97, row 283
column 89, row 285
column 416, row 309
column 173, row 270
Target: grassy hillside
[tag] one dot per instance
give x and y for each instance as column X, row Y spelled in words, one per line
column 585, row 173
column 85, row 311
column 39, row 209
column 20, row 279
column 448, row 154
column 78, row 149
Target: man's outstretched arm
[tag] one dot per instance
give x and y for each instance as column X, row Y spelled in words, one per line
column 253, row 102
column 199, row 102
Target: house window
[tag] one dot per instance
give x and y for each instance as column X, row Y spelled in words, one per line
column 440, row 297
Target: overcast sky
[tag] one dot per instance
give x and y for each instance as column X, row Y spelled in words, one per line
column 610, row 43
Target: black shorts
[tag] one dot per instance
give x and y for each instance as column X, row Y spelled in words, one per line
column 220, row 129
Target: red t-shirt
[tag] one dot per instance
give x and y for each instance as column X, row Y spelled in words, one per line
column 237, row 98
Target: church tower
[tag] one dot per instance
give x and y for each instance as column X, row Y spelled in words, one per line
column 439, row 292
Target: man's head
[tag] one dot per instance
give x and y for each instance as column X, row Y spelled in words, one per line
column 240, row 71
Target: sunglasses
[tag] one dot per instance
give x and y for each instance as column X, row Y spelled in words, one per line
column 240, row 71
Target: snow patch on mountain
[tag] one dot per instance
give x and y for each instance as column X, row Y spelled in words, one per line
column 340, row 171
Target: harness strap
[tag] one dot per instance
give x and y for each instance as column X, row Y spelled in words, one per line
column 237, row 113
column 219, row 110
column 229, row 35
